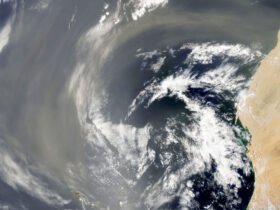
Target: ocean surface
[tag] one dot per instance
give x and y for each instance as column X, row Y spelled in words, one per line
column 128, row 104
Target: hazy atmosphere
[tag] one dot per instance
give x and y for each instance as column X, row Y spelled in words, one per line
column 131, row 104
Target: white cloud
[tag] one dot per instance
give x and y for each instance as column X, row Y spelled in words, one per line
column 205, row 52
column 100, row 132
column 143, row 6
column 5, row 36
column 18, row 176
column 213, row 138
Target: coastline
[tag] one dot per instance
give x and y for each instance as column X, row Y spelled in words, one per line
column 260, row 113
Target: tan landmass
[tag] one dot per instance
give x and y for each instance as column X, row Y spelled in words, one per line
column 261, row 115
